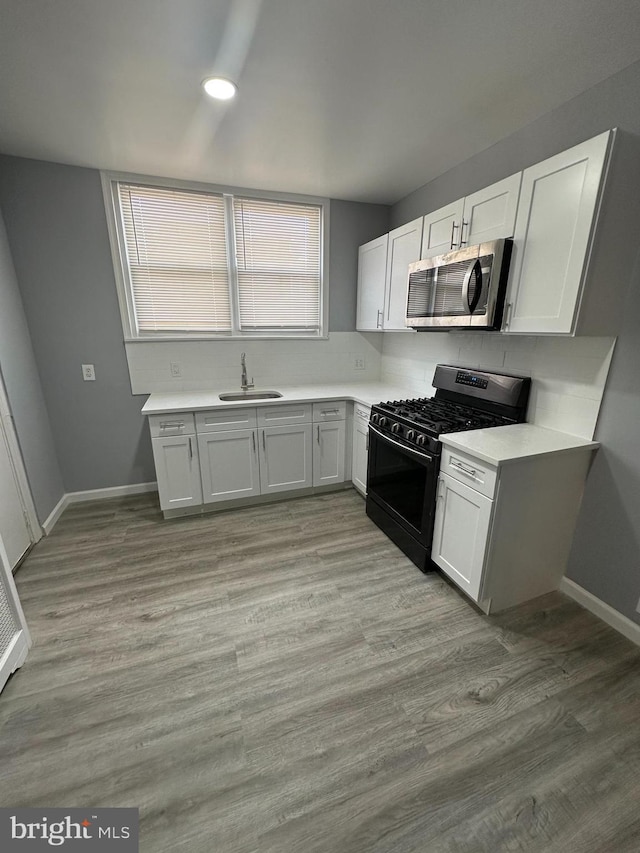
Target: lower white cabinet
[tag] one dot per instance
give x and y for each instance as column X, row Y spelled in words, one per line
column 360, row 447
column 177, row 471
column 461, row 533
column 229, row 465
column 282, row 448
column 328, row 453
column 503, row 534
column 285, row 458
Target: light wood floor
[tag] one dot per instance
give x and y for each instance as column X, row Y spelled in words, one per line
column 283, row 679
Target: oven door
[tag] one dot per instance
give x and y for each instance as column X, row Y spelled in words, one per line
column 402, row 483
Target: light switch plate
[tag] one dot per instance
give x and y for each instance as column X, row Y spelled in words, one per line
column 88, row 373
column 175, row 369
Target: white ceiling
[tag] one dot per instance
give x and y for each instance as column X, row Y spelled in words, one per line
column 355, row 99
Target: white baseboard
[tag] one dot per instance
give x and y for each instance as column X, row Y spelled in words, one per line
column 622, row 624
column 111, row 492
column 50, row 522
column 94, row 495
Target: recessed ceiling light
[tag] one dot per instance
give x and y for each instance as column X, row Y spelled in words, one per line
column 220, row 88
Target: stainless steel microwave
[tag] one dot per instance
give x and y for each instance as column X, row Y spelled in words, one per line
column 464, row 289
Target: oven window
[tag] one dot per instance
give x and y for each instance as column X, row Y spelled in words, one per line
column 399, row 481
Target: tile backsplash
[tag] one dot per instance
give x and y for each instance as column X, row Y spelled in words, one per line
column 216, row 364
column 568, row 374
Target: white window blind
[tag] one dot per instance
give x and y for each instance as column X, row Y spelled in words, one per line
column 278, row 248
column 176, row 260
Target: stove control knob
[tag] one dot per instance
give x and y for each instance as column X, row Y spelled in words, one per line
column 411, row 435
column 382, row 421
column 421, row 440
column 395, row 428
column 375, row 417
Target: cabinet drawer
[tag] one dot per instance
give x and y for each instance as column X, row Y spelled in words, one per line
column 466, row 469
column 361, row 413
column 286, row 414
column 329, row 411
column 178, row 423
column 225, row 419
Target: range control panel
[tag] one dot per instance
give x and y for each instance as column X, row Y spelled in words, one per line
column 464, row 378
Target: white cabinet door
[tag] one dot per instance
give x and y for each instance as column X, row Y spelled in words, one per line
column 558, row 203
column 490, row 214
column 177, row 471
column 360, row 452
column 441, row 230
column 285, row 458
column 372, row 270
column 403, row 249
column 328, row 453
column 229, row 465
column 461, row 533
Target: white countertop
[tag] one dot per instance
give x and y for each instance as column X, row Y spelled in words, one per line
column 366, row 393
column 501, row 445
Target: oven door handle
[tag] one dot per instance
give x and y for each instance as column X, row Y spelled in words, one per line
column 410, row 450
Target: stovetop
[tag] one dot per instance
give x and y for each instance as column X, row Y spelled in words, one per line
column 465, row 400
column 436, row 416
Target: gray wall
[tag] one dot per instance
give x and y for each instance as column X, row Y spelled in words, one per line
column 57, row 231
column 351, row 225
column 605, row 558
column 24, row 392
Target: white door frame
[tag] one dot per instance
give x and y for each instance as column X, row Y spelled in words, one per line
column 9, row 435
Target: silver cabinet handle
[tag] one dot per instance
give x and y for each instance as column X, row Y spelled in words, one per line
column 264, row 445
column 172, row 425
column 508, row 313
column 330, row 412
column 471, row 472
column 190, row 449
column 454, row 225
column 253, row 436
column 318, row 433
column 463, row 242
column 378, row 323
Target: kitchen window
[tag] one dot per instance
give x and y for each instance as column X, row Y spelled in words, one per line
column 196, row 263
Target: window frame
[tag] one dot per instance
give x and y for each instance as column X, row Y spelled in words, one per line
column 110, row 179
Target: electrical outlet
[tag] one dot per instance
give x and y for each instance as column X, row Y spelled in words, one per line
column 175, row 369
column 88, row 373
column 358, row 363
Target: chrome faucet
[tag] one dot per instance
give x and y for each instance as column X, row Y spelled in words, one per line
column 244, row 384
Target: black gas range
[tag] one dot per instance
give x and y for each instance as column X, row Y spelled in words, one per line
column 404, row 447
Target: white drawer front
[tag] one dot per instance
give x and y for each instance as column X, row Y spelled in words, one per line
column 361, row 413
column 472, row 472
column 225, row 419
column 285, row 414
column 179, row 423
column 329, row 411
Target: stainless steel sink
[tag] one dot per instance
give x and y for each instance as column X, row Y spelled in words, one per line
column 250, row 395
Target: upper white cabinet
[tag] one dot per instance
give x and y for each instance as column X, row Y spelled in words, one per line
column 383, row 277
column 403, row 249
column 486, row 215
column 556, row 215
column 441, row 230
column 372, row 272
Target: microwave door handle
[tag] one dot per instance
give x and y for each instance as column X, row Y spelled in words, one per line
column 476, row 267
